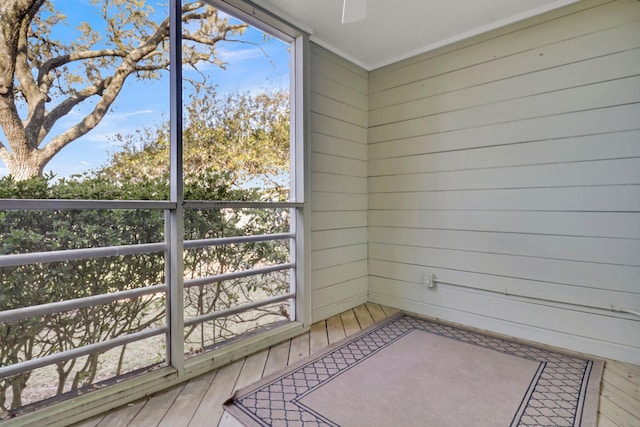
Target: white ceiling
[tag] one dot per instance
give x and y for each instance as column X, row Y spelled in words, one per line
column 397, row 29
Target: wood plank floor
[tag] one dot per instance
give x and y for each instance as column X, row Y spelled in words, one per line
column 199, row 401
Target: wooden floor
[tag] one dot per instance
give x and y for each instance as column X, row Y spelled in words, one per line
column 199, row 401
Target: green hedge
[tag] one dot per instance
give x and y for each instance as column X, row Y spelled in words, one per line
column 51, row 230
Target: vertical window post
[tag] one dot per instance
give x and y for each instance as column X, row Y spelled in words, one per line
column 300, row 189
column 175, row 235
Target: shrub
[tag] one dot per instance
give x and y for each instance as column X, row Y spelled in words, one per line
column 54, row 230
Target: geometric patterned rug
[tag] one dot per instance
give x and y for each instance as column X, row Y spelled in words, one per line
column 413, row 371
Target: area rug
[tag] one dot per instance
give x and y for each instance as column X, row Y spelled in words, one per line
column 409, row 371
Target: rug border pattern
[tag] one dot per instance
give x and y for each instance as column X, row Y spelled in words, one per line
column 535, row 408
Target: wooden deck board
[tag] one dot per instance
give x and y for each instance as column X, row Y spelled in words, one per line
column 318, row 339
column 278, row 358
column 629, row 373
column 625, row 385
column 350, row 323
column 186, row 404
column 389, row 311
column 335, row 330
column 299, row 348
column 605, row 422
column 622, row 399
column 228, row 421
column 122, row 417
column 253, row 369
column 364, row 317
column 376, row 312
column 200, row 400
column 210, row 410
column 616, row 414
column 93, row 422
column 156, row 407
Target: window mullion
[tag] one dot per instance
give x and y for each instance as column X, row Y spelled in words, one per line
column 300, row 189
column 175, row 217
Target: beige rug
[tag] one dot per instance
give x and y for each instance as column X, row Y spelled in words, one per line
column 414, row 372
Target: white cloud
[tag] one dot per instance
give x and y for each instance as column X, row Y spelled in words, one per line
column 230, row 57
column 74, row 116
column 238, row 55
column 116, row 116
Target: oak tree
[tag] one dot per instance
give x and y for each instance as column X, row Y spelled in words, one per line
column 243, row 136
column 43, row 78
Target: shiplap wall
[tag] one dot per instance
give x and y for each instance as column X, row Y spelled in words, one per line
column 339, row 104
column 510, row 164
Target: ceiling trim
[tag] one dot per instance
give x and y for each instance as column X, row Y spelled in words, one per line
column 274, row 11
column 338, row 52
column 468, row 34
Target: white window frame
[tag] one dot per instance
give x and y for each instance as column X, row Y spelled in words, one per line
column 300, row 190
column 179, row 369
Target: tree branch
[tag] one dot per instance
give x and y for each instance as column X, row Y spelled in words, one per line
column 35, row 98
column 12, row 12
column 148, row 56
column 67, row 105
column 76, row 56
column 23, row 72
column 110, row 88
column 155, row 67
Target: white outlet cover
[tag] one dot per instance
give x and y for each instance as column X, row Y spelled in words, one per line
column 429, row 280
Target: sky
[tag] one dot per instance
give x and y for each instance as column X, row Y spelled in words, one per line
column 250, row 68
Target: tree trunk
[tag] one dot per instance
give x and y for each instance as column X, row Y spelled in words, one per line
column 25, row 166
column 18, row 384
column 23, row 161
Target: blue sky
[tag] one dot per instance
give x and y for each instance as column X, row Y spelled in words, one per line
column 146, row 103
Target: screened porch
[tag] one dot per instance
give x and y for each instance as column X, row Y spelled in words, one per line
column 490, row 178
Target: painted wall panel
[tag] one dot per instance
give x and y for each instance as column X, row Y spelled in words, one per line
column 338, row 237
column 589, row 97
column 544, row 31
column 326, row 182
column 509, row 166
column 620, row 225
column 438, row 99
column 334, row 163
column 339, row 147
column 576, row 273
column 616, row 145
column 578, row 174
column 546, row 316
column 337, row 220
column 610, row 198
column 338, row 256
column 339, row 187
column 336, row 90
column 588, row 249
column 411, row 275
column 556, row 127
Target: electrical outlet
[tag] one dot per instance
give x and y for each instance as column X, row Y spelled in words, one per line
column 429, row 280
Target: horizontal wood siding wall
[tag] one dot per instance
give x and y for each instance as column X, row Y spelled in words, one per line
column 509, row 164
column 339, row 104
